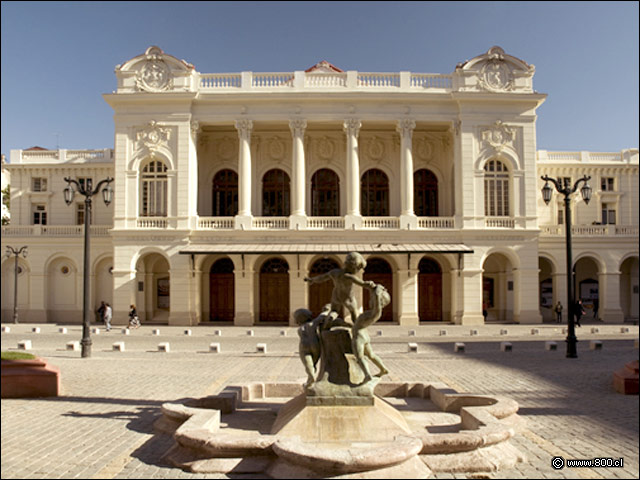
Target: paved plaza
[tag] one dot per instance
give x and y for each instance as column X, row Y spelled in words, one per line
column 102, row 425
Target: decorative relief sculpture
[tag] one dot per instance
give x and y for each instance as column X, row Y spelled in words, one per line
column 341, row 346
column 325, row 147
column 375, row 148
column 155, row 74
column 499, row 136
column 152, row 137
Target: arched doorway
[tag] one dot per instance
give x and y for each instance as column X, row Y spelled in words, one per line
column 547, row 300
column 153, row 293
column 274, row 291
column 586, row 286
column 320, row 293
column 379, row 271
column 425, row 197
column 221, row 291
column 224, row 194
column 375, row 194
column 429, row 291
column 325, row 193
column 276, row 194
column 497, row 288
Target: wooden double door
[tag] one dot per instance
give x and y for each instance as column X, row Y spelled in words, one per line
column 379, row 271
column 274, row 291
column 429, row 291
column 222, row 291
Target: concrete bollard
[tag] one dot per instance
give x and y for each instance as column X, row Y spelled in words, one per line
column 412, row 347
column 155, row 331
column 379, row 333
column 214, row 347
column 506, row 346
column 504, row 331
column 62, row 330
column 95, row 331
column 24, row 345
column 164, row 347
column 473, row 332
column 218, row 333
column 188, row 332
column 250, row 333
column 35, row 330
column 73, row 346
column 443, row 333
column 118, row 346
column 595, row 330
column 6, row 329
column 126, row 331
column 624, row 329
column 535, row 331
column 565, row 331
column 459, row 347
column 412, row 333
column 595, row 345
column 261, row 348
column 550, row 346
column 283, row 333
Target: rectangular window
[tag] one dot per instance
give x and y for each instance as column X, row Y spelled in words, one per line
column 80, row 212
column 38, row 184
column 85, row 182
column 39, row 215
column 608, row 214
column 560, row 216
column 606, row 183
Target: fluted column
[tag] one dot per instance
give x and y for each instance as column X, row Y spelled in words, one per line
column 298, row 215
column 243, row 219
column 353, row 217
column 407, row 216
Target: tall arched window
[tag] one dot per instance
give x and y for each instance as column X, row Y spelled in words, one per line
column 276, row 194
column 496, row 189
column 325, row 194
column 225, row 194
column 375, row 193
column 154, row 189
column 425, row 198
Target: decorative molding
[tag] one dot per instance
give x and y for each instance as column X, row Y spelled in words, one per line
column 352, row 126
column 276, row 148
column 499, row 136
column 425, row 148
column 297, row 126
column 495, row 75
column 195, row 128
column 225, row 148
column 375, row 148
column 152, row 137
column 405, row 127
column 325, row 148
column 155, row 74
column 244, row 127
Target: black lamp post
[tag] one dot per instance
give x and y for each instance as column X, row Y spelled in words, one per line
column 88, row 192
column 566, row 189
column 12, row 251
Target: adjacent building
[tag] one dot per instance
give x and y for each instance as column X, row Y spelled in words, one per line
column 230, row 189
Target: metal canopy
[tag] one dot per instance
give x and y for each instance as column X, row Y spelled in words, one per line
column 304, row 248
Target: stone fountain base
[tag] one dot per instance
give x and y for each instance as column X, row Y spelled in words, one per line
column 408, row 431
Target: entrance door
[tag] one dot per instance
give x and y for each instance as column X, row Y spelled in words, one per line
column 274, row 291
column 221, row 291
column 429, row 291
column 379, row 271
column 320, row 293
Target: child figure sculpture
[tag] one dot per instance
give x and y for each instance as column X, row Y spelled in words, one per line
column 343, row 280
column 309, row 347
column 360, row 339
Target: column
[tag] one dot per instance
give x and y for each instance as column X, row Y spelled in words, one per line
column 353, row 219
column 408, row 304
column 609, row 310
column 526, row 308
column 408, row 218
column 298, row 216
column 243, row 219
column 244, row 290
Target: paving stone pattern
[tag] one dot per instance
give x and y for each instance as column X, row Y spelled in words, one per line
column 101, row 427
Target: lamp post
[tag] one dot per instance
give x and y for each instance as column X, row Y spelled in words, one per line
column 12, row 251
column 567, row 190
column 88, row 192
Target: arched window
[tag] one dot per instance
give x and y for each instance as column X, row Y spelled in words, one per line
column 375, row 193
column 425, row 198
column 225, row 194
column 325, row 194
column 154, row 189
column 496, row 189
column 276, row 194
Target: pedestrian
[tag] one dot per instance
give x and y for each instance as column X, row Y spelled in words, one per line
column 579, row 312
column 134, row 322
column 485, row 311
column 559, row 312
column 596, row 303
column 108, row 314
column 100, row 312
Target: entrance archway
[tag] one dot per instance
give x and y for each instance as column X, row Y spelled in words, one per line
column 221, row 291
column 547, row 299
column 379, row 271
column 587, row 288
column 153, row 300
column 320, row 293
column 274, row 291
column 497, row 288
column 429, row 291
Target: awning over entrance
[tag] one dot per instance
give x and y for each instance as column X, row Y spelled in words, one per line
column 311, row 248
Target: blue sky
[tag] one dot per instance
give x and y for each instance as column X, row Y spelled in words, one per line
column 58, row 58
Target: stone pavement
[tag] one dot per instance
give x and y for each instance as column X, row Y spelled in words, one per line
column 101, row 427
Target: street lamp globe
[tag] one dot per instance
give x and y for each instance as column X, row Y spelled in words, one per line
column 586, row 191
column 69, row 193
column 546, row 193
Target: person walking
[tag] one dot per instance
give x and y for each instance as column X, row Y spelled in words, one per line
column 579, row 312
column 559, row 312
column 596, row 304
column 100, row 312
column 108, row 314
column 134, row 322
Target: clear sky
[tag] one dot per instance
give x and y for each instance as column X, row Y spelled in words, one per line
column 58, row 58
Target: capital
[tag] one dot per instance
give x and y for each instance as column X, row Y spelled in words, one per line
column 405, row 127
column 352, row 126
column 297, row 126
column 244, row 128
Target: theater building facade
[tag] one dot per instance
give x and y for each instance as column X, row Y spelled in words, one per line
column 230, row 189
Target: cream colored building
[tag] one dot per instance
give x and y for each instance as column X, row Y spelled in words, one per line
column 230, row 189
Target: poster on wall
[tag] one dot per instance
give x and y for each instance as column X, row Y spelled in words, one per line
column 163, row 293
